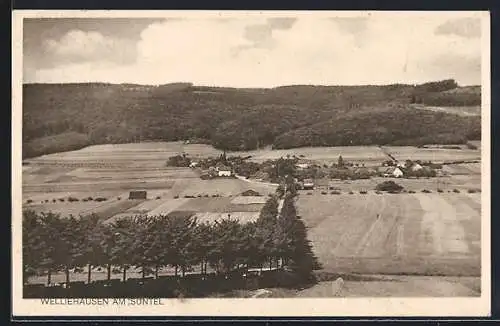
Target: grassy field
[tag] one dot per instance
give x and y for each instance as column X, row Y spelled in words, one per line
column 414, row 234
column 420, row 234
column 436, row 155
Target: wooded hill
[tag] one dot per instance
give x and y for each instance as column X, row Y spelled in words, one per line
column 58, row 117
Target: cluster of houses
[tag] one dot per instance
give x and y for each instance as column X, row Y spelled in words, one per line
column 219, row 170
column 400, row 169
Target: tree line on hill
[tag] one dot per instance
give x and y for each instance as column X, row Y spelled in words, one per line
column 52, row 243
column 69, row 116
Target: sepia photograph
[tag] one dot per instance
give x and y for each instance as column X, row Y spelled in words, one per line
column 241, row 163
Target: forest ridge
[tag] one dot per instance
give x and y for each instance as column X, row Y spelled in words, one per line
column 62, row 117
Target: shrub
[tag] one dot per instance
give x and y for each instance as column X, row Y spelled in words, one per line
column 29, row 201
column 389, row 186
column 378, row 192
column 100, row 199
column 309, row 193
column 206, row 195
column 335, row 192
column 119, row 198
column 471, row 191
column 176, row 196
column 61, row 199
column 90, row 198
column 158, row 197
column 53, row 200
column 323, row 192
column 411, row 192
column 363, row 192
column 440, row 190
column 351, row 193
column 456, row 191
column 72, row 199
column 426, row 191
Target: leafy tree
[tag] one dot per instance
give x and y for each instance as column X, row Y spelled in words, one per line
column 340, row 162
column 389, row 186
column 55, row 253
column 33, row 244
column 122, row 240
column 266, row 231
column 285, row 225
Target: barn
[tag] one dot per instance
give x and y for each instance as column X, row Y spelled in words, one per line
column 308, row 184
column 138, row 194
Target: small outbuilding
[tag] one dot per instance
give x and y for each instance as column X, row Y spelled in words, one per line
column 308, row 184
column 138, row 194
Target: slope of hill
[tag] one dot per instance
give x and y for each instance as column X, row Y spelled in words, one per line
column 239, row 119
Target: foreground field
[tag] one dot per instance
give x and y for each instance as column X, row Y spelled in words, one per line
column 433, row 234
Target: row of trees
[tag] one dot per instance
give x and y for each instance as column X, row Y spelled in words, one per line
column 52, row 243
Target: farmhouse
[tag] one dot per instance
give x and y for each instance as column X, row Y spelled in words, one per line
column 332, row 185
column 308, row 184
column 416, row 167
column 393, row 172
column 223, row 170
column 302, row 166
column 401, row 165
column 137, row 194
column 322, row 183
column 193, row 164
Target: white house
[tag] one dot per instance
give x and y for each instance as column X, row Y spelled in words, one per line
column 308, row 184
column 401, row 165
column 416, row 167
column 223, row 171
column 393, row 172
column 302, row 166
column 193, row 164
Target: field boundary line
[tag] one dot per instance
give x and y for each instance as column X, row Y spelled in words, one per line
column 361, row 245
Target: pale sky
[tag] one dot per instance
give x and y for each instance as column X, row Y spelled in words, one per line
column 254, row 51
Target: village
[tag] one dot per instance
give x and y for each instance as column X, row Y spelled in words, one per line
column 308, row 174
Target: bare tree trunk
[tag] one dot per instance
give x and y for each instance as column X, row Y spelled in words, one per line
column 124, row 273
column 183, row 269
column 109, row 272
column 143, row 272
column 176, row 270
column 270, row 263
column 49, row 277
column 89, row 275
column 201, row 268
column 205, row 267
column 156, row 272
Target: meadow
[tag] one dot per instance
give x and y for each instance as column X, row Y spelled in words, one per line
column 421, row 233
column 426, row 234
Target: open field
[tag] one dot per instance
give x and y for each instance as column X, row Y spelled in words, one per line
column 435, row 155
column 414, row 233
column 467, row 111
column 395, row 286
column 424, row 241
column 445, row 183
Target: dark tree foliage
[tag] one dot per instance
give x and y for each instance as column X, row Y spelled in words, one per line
column 390, row 186
column 52, row 243
column 59, row 117
column 179, row 161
